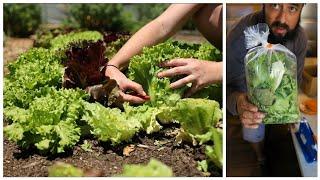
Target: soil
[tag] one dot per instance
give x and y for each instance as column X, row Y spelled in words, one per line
column 13, row 47
column 109, row 160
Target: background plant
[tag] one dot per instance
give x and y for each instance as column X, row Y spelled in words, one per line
column 21, row 20
column 101, row 17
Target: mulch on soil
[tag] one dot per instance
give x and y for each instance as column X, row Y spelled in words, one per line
column 109, row 160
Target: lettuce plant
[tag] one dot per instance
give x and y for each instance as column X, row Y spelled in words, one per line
column 49, row 123
column 154, row 168
column 144, row 68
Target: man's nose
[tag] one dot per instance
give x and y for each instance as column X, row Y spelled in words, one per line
column 282, row 16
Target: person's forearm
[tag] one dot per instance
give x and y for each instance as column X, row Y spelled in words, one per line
column 155, row 32
column 215, row 70
column 208, row 21
column 149, row 35
column 219, row 70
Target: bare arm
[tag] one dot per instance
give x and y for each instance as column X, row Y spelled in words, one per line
column 208, row 20
column 158, row 30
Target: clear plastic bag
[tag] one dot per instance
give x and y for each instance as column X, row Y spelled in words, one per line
column 271, row 74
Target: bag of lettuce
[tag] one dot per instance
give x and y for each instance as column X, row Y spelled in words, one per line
column 271, row 75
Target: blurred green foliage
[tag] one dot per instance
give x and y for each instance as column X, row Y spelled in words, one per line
column 147, row 12
column 21, row 20
column 46, row 32
column 100, row 17
column 115, row 17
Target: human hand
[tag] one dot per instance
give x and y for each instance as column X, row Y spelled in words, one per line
column 249, row 115
column 199, row 73
column 137, row 97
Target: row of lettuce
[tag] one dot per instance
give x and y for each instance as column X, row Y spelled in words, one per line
column 154, row 168
column 50, row 99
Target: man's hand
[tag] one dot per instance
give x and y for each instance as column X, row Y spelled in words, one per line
column 199, row 73
column 139, row 96
column 249, row 115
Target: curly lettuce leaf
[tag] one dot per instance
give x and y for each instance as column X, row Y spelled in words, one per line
column 30, row 76
column 61, row 169
column 212, row 92
column 84, row 65
column 49, row 123
column 197, row 116
column 199, row 119
column 143, row 69
column 84, row 68
column 110, row 124
column 214, row 153
column 61, row 43
column 146, row 115
column 154, row 168
column 45, row 33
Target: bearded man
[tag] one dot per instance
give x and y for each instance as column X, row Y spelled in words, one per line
column 283, row 21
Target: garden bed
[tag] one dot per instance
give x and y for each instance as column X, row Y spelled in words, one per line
column 102, row 159
column 106, row 160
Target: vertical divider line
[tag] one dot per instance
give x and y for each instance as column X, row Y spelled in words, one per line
column 224, row 119
column 1, row 85
column 318, row 110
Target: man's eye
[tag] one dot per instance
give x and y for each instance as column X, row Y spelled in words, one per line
column 275, row 6
column 293, row 9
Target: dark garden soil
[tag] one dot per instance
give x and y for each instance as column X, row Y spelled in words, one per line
column 105, row 160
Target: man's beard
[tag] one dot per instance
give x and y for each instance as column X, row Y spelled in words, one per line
column 278, row 39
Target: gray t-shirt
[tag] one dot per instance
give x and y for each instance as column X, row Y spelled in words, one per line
column 236, row 51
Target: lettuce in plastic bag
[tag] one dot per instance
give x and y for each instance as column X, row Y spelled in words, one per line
column 271, row 73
